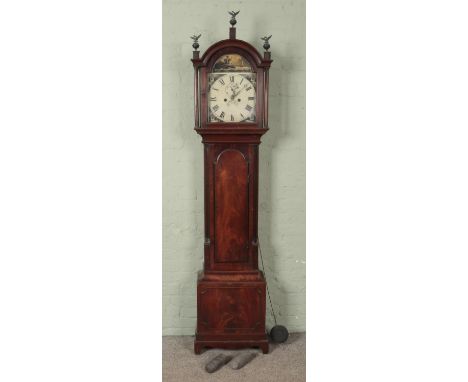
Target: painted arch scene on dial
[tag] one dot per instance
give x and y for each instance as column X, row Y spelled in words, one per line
column 232, row 90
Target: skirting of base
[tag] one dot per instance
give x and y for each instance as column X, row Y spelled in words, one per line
column 231, row 345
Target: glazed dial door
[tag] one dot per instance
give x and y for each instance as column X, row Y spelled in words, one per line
column 232, row 91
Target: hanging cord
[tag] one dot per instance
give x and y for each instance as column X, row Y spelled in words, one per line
column 268, row 289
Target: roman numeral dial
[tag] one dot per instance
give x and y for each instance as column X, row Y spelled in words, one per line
column 231, row 97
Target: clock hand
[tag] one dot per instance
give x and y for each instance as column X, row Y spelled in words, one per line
column 236, row 94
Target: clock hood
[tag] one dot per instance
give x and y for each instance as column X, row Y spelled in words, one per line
column 224, row 46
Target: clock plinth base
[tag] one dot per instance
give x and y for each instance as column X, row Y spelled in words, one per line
column 262, row 344
column 231, row 312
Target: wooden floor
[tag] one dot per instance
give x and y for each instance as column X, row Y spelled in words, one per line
column 284, row 363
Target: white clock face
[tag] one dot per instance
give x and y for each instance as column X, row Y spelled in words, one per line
column 231, row 97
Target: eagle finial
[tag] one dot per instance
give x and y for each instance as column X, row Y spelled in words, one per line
column 266, row 45
column 195, row 41
column 233, row 20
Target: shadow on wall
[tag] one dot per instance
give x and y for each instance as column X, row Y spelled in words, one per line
column 278, row 112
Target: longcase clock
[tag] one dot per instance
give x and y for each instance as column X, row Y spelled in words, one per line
column 231, row 115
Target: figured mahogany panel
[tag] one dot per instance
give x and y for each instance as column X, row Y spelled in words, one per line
column 232, row 309
column 231, row 179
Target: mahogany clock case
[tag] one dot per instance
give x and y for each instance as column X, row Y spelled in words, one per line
column 231, row 290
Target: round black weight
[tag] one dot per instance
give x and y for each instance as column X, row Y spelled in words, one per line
column 279, row 334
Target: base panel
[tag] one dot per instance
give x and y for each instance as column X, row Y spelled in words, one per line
column 231, row 314
column 230, row 345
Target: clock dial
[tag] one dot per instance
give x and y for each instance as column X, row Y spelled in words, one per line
column 231, row 97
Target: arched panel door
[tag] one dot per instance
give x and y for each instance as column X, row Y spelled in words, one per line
column 231, row 190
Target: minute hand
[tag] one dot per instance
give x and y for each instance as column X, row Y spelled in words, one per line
column 236, row 94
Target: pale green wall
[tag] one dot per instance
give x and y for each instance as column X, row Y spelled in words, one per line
column 282, row 154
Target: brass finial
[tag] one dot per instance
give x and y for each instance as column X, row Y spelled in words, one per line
column 266, row 44
column 195, row 41
column 233, row 20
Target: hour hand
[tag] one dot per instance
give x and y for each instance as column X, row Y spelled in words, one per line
column 236, row 94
